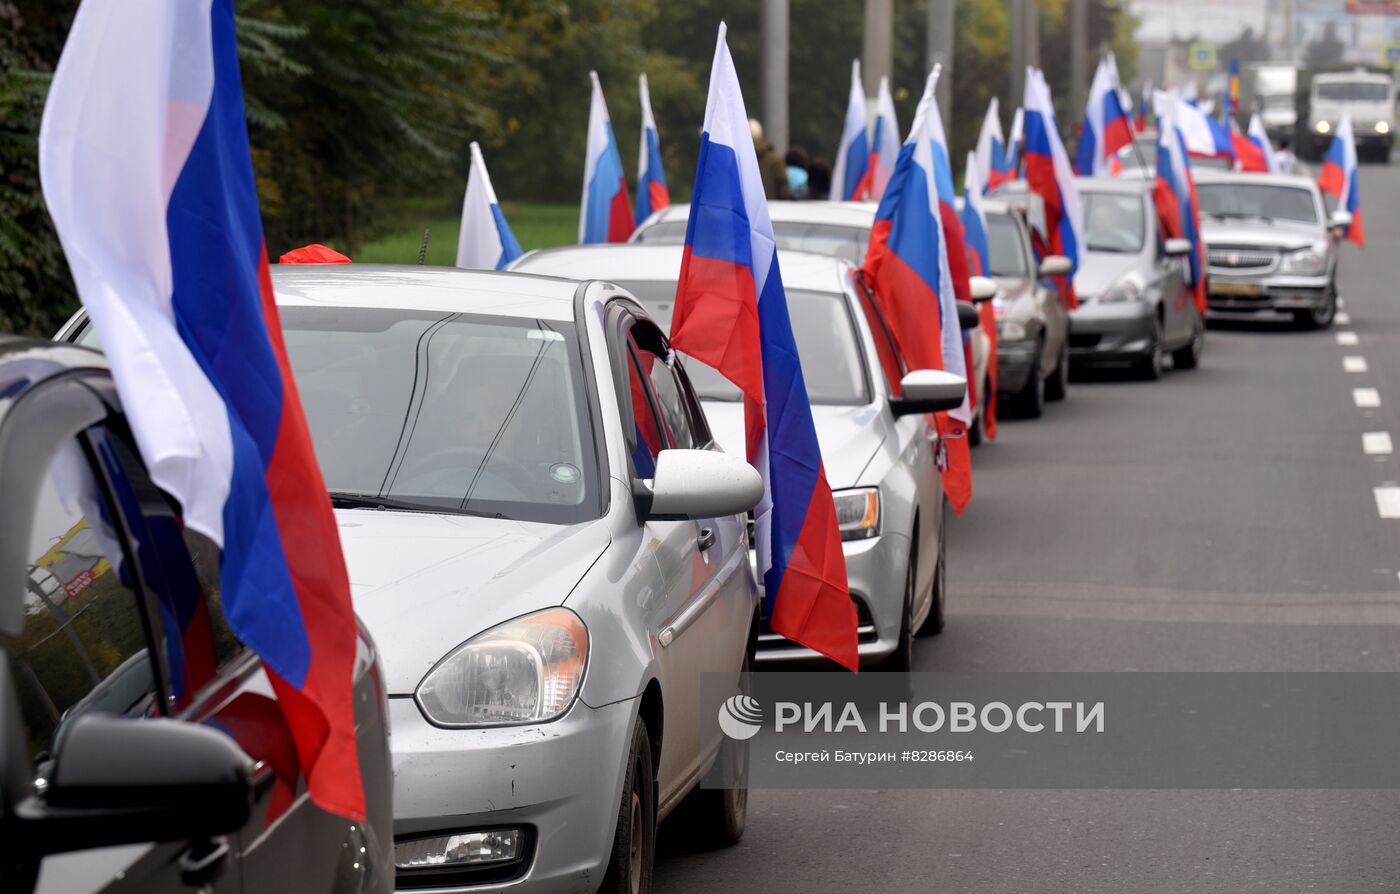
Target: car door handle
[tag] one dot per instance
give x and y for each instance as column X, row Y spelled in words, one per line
column 706, row 539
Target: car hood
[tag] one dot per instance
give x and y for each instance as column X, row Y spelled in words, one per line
column 425, row 583
column 1279, row 234
column 849, row 436
column 1099, row 270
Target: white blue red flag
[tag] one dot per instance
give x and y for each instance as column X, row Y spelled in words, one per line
column 947, row 195
column 1174, row 194
column 1143, row 114
column 1204, row 135
column 1338, row 178
column 606, row 214
column 884, row 142
column 731, row 313
column 1260, row 138
column 652, row 194
column 849, row 173
column 485, row 241
column 144, row 158
column 1248, row 156
column 991, row 149
column 1107, row 127
column 908, row 262
column 979, row 259
column 1015, row 140
column 1048, row 175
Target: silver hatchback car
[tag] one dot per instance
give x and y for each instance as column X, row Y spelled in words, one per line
column 878, row 452
column 549, row 551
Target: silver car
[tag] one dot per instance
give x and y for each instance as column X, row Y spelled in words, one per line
column 1270, row 246
column 878, row 453
column 549, row 551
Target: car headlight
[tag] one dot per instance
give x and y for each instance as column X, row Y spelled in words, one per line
column 857, row 512
column 1011, row 330
column 523, row 671
column 1323, row 127
column 1124, row 290
column 1309, row 261
column 1382, row 127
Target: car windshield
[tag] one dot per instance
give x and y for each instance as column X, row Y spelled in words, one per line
column 1008, row 252
column 1114, row 222
column 1257, row 201
column 1277, row 102
column 1353, row 91
column 1142, row 153
column 833, row 363
column 445, row 412
column 833, row 240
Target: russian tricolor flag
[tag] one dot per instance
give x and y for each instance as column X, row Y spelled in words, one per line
column 1174, row 194
column 979, row 257
column 147, row 175
column 1049, row 176
column 1107, row 127
column 947, row 196
column 884, row 145
column 1015, row 140
column 606, row 214
column 991, row 149
column 652, row 194
column 1144, row 114
column 1203, row 135
column 853, row 155
column 486, row 241
column 1249, row 155
column 1260, row 138
column 1338, row 177
column 731, row 313
column 908, row 261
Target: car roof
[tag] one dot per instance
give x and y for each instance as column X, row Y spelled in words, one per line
column 424, row 288
column 649, row 262
column 1119, row 185
column 1207, row 176
column 853, row 214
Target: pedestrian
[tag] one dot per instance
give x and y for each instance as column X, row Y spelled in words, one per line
column 798, row 163
column 770, row 165
column 1285, row 159
column 819, row 179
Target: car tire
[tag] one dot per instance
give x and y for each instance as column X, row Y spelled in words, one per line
column 634, row 844
column 1318, row 318
column 933, row 624
column 1149, row 367
column 1030, row 402
column 1189, row 356
column 901, row 660
column 714, row 817
column 1057, row 386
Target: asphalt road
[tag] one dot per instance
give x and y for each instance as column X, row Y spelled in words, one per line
column 1221, row 519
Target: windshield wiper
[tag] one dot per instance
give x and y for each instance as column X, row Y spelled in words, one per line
column 1110, row 249
column 1239, row 215
column 344, row 500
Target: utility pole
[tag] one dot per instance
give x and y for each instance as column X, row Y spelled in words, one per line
column 774, row 72
column 1078, row 58
column 1018, row 52
column 877, row 52
column 940, row 50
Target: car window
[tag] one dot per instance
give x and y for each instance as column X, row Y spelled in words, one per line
column 1257, row 201
column 666, row 232
column 833, row 240
column 670, row 400
column 1114, row 222
column 833, row 362
column 1008, row 252
column 1353, row 91
column 645, row 439
column 892, row 366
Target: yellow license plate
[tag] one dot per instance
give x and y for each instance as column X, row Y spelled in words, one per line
column 1235, row 288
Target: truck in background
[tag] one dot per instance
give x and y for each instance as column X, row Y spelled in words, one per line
column 1270, row 89
column 1367, row 94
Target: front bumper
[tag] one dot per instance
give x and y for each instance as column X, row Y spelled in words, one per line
column 1014, row 362
column 561, row 781
column 1114, row 332
column 875, row 571
column 1237, row 294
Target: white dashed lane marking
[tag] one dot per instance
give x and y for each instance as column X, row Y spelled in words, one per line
column 1342, row 318
column 1388, row 502
column 1376, row 443
column 1354, row 364
column 1346, row 338
column 1366, row 397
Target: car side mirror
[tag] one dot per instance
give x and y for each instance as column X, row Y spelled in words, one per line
column 929, row 391
column 1056, row 265
column 124, row 781
column 968, row 317
column 1340, row 219
column 984, row 288
column 1177, row 248
column 694, row 484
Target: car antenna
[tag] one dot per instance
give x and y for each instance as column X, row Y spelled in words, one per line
column 423, row 249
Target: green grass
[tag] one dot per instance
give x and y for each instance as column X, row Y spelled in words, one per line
column 535, row 226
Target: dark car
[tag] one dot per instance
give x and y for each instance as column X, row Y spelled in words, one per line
column 141, row 749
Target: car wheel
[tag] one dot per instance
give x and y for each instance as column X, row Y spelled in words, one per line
column 1057, row 386
column 933, row 624
column 1189, row 357
column 1149, row 367
column 901, row 660
column 1030, row 403
column 634, row 844
column 715, row 816
column 1319, row 317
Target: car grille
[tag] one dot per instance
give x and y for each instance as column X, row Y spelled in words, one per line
column 1084, row 339
column 1246, row 261
column 768, row 641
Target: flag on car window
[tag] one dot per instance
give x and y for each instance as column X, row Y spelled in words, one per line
column 947, row 197
column 146, row 171
column 605, row 215
column 1260, row 138
column 1174, row 194
column 485, row 241
column 908, row 262
column 991, row 149
column 1048, row 175
column 731, row 313
column 1338, row 178
column 884, row 143
column 853, row 154
column 1107, row 127
column 652, row 194
column 979, row 254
